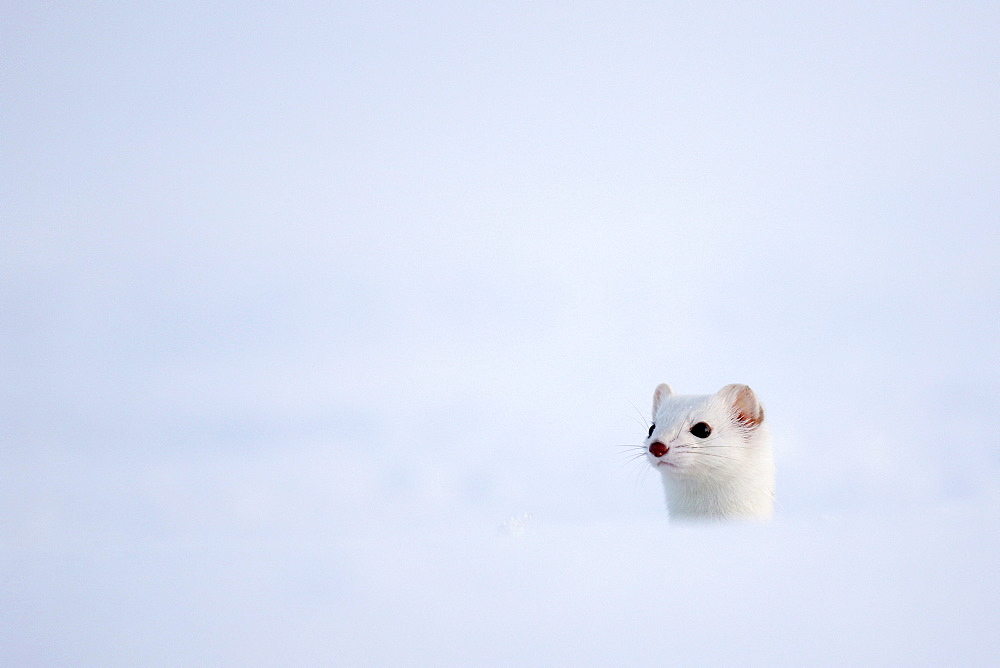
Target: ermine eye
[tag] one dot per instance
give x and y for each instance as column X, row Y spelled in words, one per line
column 701, row 430
column 651, row 428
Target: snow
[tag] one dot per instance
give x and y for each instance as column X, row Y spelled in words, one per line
column 253, row 561
column 874, row 590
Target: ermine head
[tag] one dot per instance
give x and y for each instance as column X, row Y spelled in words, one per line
column 713, row 451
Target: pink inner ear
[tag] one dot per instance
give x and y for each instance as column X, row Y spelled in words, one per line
column 662, row 392
column 748, row 411
column 750, row 419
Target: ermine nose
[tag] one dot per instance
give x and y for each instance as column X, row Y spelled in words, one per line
column 657, row 449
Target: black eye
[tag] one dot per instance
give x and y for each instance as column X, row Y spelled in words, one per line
column 651, row 428
column 701, row 430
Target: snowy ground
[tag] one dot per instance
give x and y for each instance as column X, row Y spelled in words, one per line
column 876, row 590
column 234, row 561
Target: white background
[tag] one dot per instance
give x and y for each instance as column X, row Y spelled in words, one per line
column 300, row 302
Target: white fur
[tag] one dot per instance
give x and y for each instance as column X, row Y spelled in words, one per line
column 730, row 474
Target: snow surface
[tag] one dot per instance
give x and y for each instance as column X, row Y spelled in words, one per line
column 887, row 591
column 221, row 564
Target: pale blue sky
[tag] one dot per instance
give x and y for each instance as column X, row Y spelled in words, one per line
column 237, row 216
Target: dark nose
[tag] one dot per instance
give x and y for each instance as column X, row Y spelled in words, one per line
column 657, row 449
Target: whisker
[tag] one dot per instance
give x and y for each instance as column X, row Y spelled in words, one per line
column 638, row 477
column 633, row 457
column 640, row 414
column 630, row 454
column 712, row 454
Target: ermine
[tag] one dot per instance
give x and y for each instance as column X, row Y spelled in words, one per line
column 714, row 454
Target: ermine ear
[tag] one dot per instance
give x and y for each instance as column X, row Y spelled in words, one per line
column 744, row 404
column 662, row 392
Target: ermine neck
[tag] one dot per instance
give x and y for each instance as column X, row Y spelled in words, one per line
column 749, row 496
